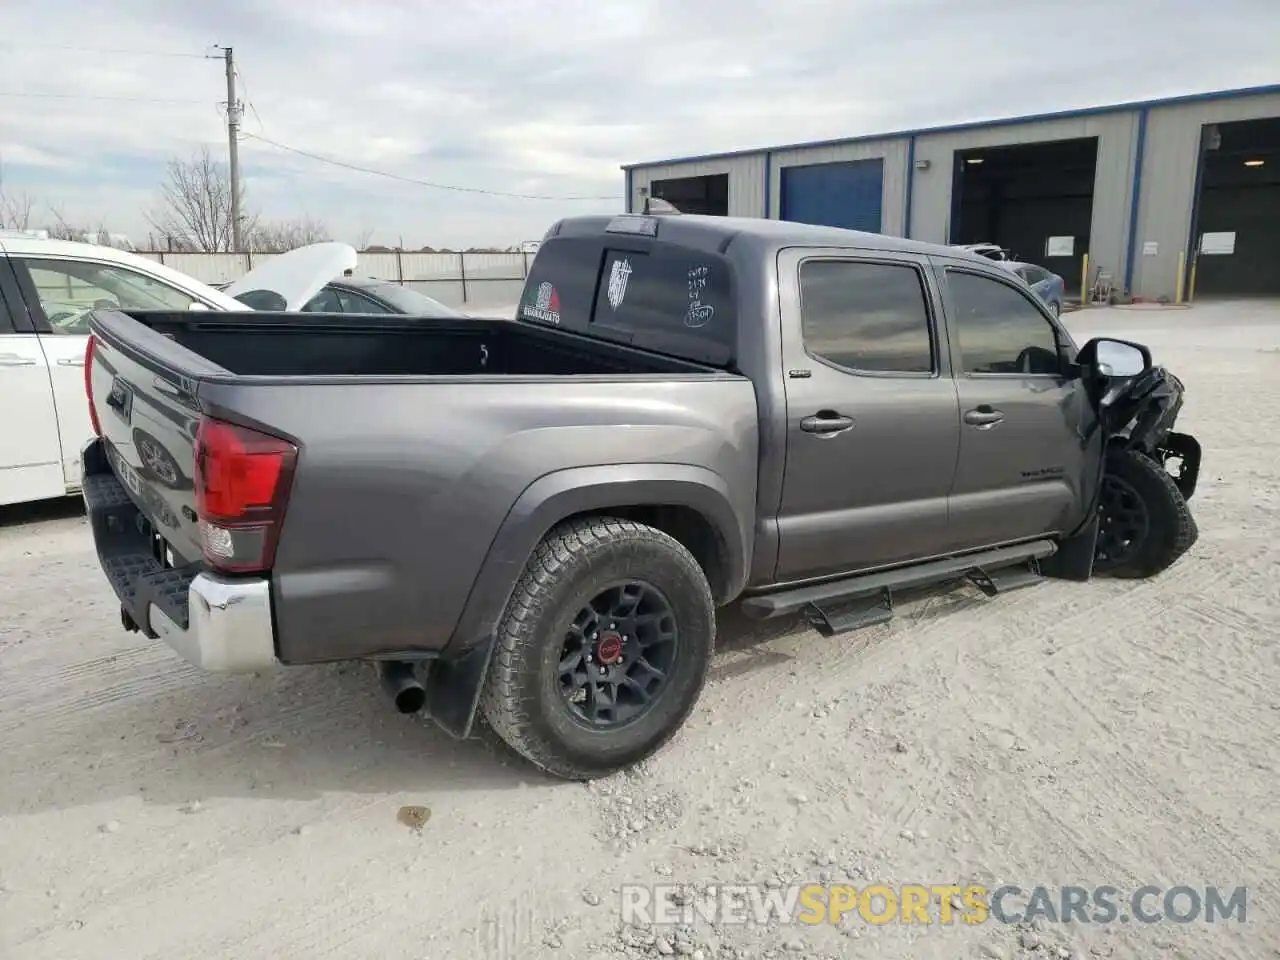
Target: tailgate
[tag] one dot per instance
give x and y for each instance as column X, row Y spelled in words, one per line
column 148, row 425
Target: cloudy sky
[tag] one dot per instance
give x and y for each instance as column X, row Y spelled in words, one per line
column 546, row 97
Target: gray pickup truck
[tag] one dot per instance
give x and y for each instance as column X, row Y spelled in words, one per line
column 535, row 519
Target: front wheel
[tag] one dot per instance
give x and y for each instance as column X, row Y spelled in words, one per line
column 603, row 649
column 1144, row 521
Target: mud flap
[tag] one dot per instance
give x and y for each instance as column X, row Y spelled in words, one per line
column 454, row 687
column 1074, row 559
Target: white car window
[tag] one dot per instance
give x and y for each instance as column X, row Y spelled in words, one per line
column 69, row 289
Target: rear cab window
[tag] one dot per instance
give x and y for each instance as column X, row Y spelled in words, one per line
column 647, row 293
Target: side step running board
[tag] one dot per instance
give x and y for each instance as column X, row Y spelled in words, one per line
column 991, row 571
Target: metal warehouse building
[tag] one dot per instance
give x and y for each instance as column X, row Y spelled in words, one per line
column 1165, row 197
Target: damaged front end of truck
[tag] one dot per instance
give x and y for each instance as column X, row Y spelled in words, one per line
column 1149, row 470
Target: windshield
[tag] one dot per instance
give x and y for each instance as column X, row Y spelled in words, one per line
column 409, row 301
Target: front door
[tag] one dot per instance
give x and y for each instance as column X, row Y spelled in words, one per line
column 1023, row 421
column 30, row 467
column 872, row 423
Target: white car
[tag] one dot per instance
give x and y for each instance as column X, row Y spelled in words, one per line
column 48, row 288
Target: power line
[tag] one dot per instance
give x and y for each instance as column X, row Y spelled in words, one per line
column 421, row 183
column 107, row 50
column 86, row 96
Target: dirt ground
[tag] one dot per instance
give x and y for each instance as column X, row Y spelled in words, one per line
column 1110, row 733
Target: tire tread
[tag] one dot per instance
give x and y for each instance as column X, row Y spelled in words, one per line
column 506, row 711
column 1173, row 528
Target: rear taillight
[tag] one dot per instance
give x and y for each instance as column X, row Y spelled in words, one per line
column 242, row 480
column 88, row 386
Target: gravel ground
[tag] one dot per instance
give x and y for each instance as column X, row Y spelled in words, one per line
column 1103, row 733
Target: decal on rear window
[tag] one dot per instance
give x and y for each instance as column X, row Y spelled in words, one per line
column 619, row 273
column 545, row 306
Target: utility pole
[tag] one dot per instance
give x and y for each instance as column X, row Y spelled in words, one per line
column 233, row 134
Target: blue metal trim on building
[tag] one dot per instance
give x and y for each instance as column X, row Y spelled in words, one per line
column 911, row 182
column 768, row 185
column 630, row 177
column 1138, row 154
column 1193, row 225
column 1073, row 114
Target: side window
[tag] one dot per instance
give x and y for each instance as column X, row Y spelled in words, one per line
column 6, row 315
column 870, row 317
column 355, row 303
column 326, row 301
column 69, row 289
column 999, row 328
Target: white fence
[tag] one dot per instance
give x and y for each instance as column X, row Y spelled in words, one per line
column 457, row 279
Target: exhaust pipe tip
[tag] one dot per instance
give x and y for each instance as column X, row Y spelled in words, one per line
column 403, row 686
column 411, row 699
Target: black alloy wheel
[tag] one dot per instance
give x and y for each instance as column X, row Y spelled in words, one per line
column 618, row 654
column 1124, row 521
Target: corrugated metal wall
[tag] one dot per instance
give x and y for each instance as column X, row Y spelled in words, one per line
column 1170, row 157
column 1171, row 144
column 892, row 152
column 746, row 181
column 1117, row 138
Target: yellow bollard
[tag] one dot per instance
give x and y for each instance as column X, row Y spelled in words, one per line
column 1191, row 287
column 1182, row 272
column 1084, row 281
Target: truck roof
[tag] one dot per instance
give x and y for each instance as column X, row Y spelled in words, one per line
column 715, row 233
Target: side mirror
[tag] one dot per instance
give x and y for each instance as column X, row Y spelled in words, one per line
column 1106, row 357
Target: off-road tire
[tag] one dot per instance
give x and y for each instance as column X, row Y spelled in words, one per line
column 1171, row 530
column 573, row 563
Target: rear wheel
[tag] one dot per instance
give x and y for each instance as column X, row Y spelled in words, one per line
column 603, row 650
column 1144, row 522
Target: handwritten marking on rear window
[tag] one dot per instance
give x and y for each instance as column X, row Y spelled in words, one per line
column 699, row 314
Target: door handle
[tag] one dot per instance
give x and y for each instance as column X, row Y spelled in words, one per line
column 984, row 417
column 826, row 422
column 13, row 360
column 71, row 362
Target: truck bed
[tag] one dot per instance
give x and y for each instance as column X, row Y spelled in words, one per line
column 409, row 444
column 264, row 344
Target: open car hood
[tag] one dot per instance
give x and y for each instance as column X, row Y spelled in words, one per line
column 288, row 280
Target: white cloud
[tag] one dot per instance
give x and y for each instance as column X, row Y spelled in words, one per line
column 551, row 96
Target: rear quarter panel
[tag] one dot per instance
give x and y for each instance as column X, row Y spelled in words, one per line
column 402, row 488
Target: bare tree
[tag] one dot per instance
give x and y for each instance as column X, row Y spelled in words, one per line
column 366, row 235
column 195, row 208
column 286, row 235
column 63, row 229
column 15, row 208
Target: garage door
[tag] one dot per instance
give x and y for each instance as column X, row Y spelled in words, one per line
column 834, row 194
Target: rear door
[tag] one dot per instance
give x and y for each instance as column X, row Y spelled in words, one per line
column 872, row 422
column 62, row 292
column 1023, row 459
column 30, row 467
